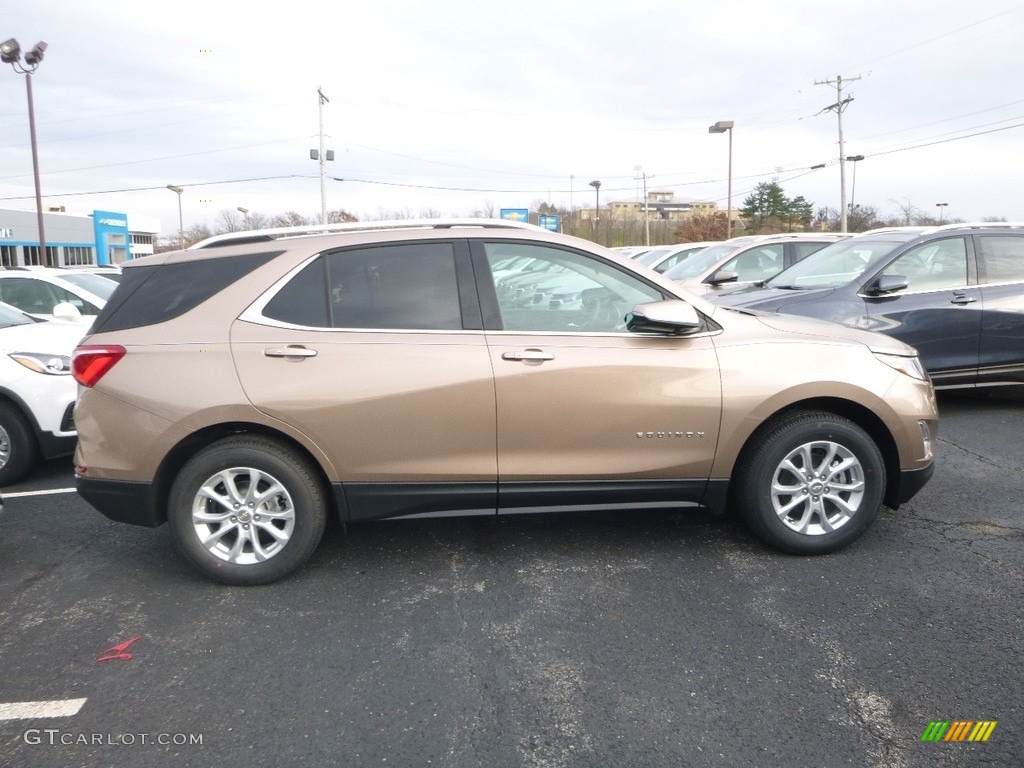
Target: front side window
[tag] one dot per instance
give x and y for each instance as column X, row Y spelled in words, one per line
column 395, row 287
column 757, row 263
column 564, row 291
column 933, row 266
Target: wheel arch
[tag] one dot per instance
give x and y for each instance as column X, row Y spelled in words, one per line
column 196, row 441
column 860, row 415
column 15, row 401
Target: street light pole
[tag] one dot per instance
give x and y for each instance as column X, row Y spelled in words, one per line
column 10, row 53
column 940, row 206
column 597, row 210
column 181, row 226
column 245, row 213
column 723, row 126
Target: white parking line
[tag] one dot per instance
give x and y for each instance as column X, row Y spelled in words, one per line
column 25, row 710
column 52, row 491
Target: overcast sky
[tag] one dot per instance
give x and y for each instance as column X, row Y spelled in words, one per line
column 456, row 105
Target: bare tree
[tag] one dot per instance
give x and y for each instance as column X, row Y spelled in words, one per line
column 340, row 216
column 703, row 227
column 229, row 221
column 195, row 233
column 290, row 219
column 910, row 213
column 486, row 211
column 259, row 221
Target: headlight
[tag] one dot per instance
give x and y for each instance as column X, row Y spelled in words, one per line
column 910, row 366
column 53, row 365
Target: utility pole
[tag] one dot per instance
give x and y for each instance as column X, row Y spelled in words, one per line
column 838, row 108
column 647, row 218
column 323, row 156
column 323, row 161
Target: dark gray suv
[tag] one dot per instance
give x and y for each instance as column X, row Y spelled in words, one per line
column 954, row 292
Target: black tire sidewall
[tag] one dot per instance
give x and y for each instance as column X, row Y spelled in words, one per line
column 771, row 446
column 295, row 474
column 22, row 445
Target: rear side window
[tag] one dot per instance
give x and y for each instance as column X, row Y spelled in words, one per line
column 1002, row 258
column 154, row 294
column 802, row 250
column 393, row 287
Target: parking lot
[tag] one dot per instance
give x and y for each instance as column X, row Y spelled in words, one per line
column 565, row 640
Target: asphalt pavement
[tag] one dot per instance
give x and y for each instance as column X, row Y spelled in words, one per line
column 667, row 639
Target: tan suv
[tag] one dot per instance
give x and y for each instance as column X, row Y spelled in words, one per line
column 247, row 388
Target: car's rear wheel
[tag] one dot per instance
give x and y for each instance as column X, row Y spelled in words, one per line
column 18, row 448
column 810, row 482
column 247, row 510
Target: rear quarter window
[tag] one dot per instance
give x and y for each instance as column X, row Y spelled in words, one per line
column 154, row 294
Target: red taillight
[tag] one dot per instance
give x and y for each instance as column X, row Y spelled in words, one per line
column 89, row 362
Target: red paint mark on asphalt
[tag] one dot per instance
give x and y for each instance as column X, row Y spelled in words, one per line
column 119, row 651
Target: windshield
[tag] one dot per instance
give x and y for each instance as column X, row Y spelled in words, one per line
column 837, row 264
column 652, row 256
column 94, row 284
column 11, row 316
column 699, row 262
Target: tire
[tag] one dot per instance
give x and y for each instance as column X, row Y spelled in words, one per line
column 810, row 513
column 249, row 540
column 18, row 449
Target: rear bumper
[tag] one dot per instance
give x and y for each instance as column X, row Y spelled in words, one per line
column 122, row 501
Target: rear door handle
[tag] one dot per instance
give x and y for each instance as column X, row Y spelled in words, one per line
column 961, row 299
column 528, row 355
column 293, row 350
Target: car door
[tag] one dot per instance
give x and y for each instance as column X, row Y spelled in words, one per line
column 587, row 412
column 939, row 312
column 377, row 356
column 1001, row 276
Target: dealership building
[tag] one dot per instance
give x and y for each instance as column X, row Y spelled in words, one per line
column 100, row 237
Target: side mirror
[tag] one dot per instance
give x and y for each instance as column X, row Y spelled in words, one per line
column 722, row 276
column 887, row 284
column 67, row 311
column 673, row 317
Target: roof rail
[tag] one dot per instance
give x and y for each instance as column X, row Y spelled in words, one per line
column 260, row 235
column 892, row 230
column 977, row 225
column 927, row 229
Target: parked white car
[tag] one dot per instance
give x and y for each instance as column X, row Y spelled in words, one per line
column 37, row 292
column 37, row 392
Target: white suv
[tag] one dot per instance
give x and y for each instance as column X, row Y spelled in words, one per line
column 37, row 392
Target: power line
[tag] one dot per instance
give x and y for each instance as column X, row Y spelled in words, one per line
column 164, row 186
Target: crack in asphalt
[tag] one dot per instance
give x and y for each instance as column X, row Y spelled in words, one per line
column 980, row 457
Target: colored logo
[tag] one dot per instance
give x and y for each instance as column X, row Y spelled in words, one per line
column 959, row 730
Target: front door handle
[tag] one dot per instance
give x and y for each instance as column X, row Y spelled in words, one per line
column 292, row 350
column 961, row 299
column 528, row 356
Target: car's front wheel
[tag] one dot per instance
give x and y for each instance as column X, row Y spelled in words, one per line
column 247, row 510
column 810, row 482
column 17, row 445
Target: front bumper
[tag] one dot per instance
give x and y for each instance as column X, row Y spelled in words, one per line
column 911, row 481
